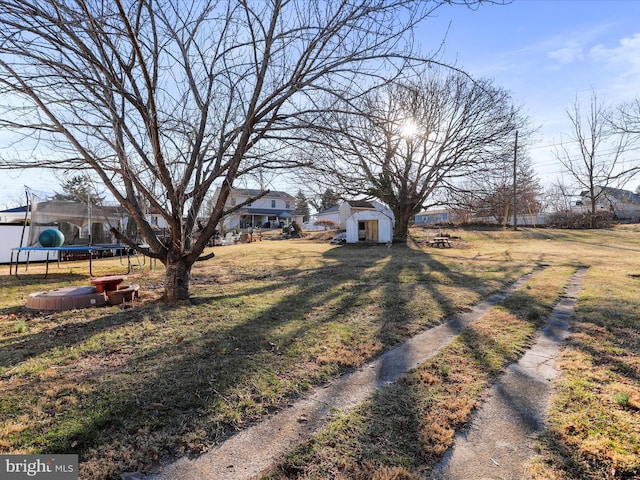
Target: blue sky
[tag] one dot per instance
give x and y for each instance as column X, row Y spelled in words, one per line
column 546, row 53
column 543, row 51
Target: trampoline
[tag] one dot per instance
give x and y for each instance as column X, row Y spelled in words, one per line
column 81, row 231
column 74, row 251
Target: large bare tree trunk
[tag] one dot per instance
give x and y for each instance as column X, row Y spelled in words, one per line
column 401, row 230
column 178, row 272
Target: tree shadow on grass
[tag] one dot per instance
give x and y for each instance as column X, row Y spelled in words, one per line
column 168, row 392
column 155, row 394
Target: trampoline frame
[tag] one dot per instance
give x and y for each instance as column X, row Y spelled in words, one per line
column 90, row 249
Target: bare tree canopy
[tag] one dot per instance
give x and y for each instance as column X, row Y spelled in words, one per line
column 594, row 156
column 160, row 99
column 410, row 139
column 490, row 196
column 626, row 119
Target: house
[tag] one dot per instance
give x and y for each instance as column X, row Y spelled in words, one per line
column 624, row 204
column 15, row 233
column 366, row 221
column 435, row 216
column 155, row 219
column 273, row 210
column 14, row 215
column 331, row 214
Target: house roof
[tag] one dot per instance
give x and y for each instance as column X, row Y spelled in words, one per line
column 616, row 193
column 21, row 209
column 329, row 210
column 254, row 192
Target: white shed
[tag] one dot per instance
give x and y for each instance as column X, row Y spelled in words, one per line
column 366, row 222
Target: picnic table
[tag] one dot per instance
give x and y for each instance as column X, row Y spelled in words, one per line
column 440, row 242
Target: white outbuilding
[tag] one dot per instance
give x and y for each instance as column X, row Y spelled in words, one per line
column 366, row 221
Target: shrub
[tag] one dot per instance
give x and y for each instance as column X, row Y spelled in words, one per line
column 326, row 224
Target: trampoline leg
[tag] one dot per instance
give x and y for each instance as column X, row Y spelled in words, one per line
column 130, row 263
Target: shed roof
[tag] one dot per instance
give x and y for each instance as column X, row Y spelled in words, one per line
column 360, row 204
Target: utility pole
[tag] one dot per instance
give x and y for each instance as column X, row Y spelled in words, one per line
column 515, row 176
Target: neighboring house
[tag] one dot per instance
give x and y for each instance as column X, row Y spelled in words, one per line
column 624, row 204
column 13, row 236
column 14, row 215
column 430, row 217
column 274, row 210
column 331, row 214
column 366, row 222
column 156, row 220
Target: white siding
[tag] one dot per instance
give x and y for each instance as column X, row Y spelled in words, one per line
column 385, row 225
column 10, row 235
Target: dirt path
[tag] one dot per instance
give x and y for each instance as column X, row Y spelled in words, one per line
column 249, row 453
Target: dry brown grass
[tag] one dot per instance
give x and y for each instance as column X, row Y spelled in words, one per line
column 409, row 425
column 125, row 387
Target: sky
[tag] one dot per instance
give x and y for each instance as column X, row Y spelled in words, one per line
column 546, row 53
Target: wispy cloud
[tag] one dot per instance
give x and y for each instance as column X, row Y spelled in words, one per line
column 622, row 62
column 565, row 55
column 570, row 46
column 627, row 52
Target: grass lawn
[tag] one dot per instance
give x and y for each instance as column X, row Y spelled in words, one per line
column 127, row 386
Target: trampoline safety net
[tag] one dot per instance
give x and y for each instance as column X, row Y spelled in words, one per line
column 80, row 223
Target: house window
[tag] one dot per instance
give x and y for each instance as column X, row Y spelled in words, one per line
column 286, row 205
column 273, row 204
column 233, row 201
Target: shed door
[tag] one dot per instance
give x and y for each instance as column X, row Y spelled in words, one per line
column 371, row 229
column 362, row 231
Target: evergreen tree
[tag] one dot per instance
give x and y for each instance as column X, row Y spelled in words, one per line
column 329, row 199
column 302, row 206
column 79, row 188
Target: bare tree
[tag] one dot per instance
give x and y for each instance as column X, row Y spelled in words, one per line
column 557, row 198
column 491, row 195
column 626, row 119
column 594, row 155
column 411, row 139
column 160, row 99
